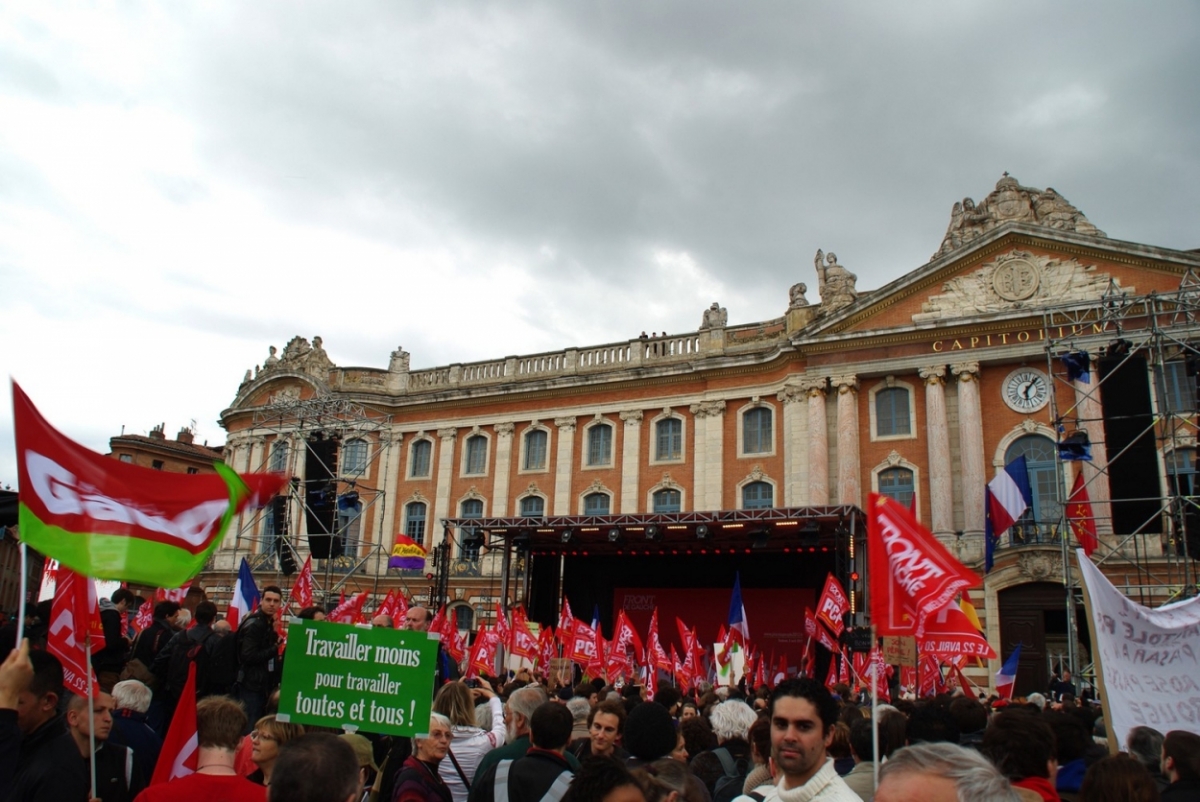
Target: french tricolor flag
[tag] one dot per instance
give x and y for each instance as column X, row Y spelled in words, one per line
column 737, row 611
column 245, row 596
column 1006, row 677
column 1007, row 497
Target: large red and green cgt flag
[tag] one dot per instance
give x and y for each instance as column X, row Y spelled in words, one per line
column 111, row 520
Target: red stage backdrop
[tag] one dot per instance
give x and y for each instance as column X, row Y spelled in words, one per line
column 775, row 615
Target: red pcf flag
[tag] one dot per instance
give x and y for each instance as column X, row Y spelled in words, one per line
column 1079, row 516
column 524, row 645
column 833, row 605
column 911, row 574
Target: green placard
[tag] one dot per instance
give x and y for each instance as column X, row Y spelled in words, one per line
column 358, row 678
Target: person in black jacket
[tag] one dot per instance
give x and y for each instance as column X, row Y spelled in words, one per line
column 258, row 654
column 118, row 776
column 49, row 767
column 109, row 661
column 171, row 664
column 543, row 774
column 153, row 638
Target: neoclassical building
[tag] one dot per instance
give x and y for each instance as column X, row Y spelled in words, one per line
column 920, row 389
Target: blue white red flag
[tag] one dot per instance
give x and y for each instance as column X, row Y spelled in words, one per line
column 737, row 612
column 1007, row 497
column 245, row 596
column 1006, row 677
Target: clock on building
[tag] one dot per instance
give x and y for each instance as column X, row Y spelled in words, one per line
column 1026, row 390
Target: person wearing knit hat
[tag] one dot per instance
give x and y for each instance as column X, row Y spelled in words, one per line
column 649, row 734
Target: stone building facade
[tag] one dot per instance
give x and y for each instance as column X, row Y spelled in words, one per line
column 922, row 388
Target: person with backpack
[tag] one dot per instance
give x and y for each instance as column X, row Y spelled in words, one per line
column 190, row 646
column 723, row 770
column 543, row 774
column 258, row 653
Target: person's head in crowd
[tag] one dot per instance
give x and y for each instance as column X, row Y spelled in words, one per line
column 1181, row 756
column 550, row 726
column 969, row 714
column 1071, row 739
column 131, row 694
column 206, row 613
column 167, row 610
column 365, row 752
column 649, row 732
column 606, row 725
column 731, row 720
column 1145, row 743
column 893, row 731
column 850, row 714
column 270, row 601
column 183, row 619
column 670, row 781
column 803, row 713
column 519, row 709
column 1037, row 700
column 759, row 736
column 318, row 767
column 669, row 697
column 1118, row 778
column 38, row 703
column 219, row 723
column 862, row 741
column 1021, row 745
column 680, row 751
column 455, row 701
column 124, row 599
column 580, row 710
column 941, row 772
column 604, row 780
column 382, row 620
column 588, row 692
column 688, row 710
column 931, row 723
column 80, row 725
column 417, row 619
column 698, row 735
column 266, row 739
column 483, row 717
column 311, row 614
column 839, row 744
column 434, row 746
column 222, row 628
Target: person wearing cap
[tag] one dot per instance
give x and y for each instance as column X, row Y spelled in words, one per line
column 366, row 760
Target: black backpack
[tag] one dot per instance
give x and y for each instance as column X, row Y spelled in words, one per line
column 186, row 652
column 729, row 786
column 223, row 665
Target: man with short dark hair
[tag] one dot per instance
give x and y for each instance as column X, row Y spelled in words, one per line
column 861, row 779
column 109, row 661
column 543, row 773
column 1022, row 746
column 803, row 714
column 315, row 768
column 172, row 662
column 49, row 768
column 1181, row 764
column 605, row 724
column 118, row 777
column 151, row 640
column 258, row 654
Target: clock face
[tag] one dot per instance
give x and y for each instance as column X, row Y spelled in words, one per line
column 1026, row 390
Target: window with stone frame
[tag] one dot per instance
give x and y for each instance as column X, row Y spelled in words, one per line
column 668, row 439
column 892, row 416
column 535, row 449
column 421, row 452
column 533, row 507
column 667, row 500
column 469, row 550
column 597, row 504
column 757, row 431
column 279, row 458
column 414, row 520
column 758, row 496
column 354, row 457
column 898, row 484
column 599, row 445
column 476, row 455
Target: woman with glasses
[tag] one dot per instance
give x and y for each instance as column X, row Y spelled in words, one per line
column 269, row 734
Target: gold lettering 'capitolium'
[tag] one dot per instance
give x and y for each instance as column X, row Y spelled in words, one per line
column 1016, row 280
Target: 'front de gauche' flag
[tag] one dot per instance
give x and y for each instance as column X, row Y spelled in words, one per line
column 1007, row 497
column 407, row 553
column 737, row 613
column 1006, row 677
column 112, row 520
column 245, row 596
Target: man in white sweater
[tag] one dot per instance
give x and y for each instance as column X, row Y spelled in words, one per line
column 802, row 717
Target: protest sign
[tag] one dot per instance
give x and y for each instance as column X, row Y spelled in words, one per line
column 358, row 678
column 1147, row 660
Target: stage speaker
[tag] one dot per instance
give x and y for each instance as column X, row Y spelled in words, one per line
column 1133, row 476
column 320, row 496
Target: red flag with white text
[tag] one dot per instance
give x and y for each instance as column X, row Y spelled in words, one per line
column 833, row 605
column 74, row 615
column 302, row 588
column 180, row 749
column 350, row 610
column 524, row 644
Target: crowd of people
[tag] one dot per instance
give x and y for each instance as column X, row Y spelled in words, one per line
column 528, row 738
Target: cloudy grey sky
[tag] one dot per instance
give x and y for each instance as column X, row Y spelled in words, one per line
column 184, row 184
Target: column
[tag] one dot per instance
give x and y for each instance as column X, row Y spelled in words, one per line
column 708, row 418
column 631, row 444
column 849, row 464
column 1088, row 409
column 504, row 438
column 818, row 442
column 937, row 435
column 970, row 439
column 564, row 462
column 441, row 501
column 392, row 444
column 793, row 443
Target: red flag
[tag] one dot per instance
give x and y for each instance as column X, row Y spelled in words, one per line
column 74, row 614
column 950, row 633
column 782, row 666
column 625, row 637
column 817, row 632
column 180, row 749
column 583, row 643
column 878, row 671
column 912, row 575
column 503, row 631
column 350, row 610
column 524, row 645
column 929, row 675
column 452, row 640
column 844, row 668
column 908, row 679
column 656, row 656
column 566, row 621
column 483, row 652
column 385, row 606
column 145, row 615
column 598, row 666
column 302, row 589
column 1079, row 516
column 832, row 677
column 546, row 650
column 173, row 594
column 833, row 605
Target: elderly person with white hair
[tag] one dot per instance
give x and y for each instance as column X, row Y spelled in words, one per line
column 132, row 699
column 731, row 760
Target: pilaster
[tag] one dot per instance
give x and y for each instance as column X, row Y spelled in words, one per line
column 564, row 462
column 441, row 500
column 504, row 440
column 795, row 446
column 707, row 418
column 631, row 442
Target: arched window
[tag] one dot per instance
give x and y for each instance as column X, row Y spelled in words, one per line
column 1040, row 460
column 668, row 439
column 533, row 507
column 279, row 457
column 898, row 484
column 667, row 500
column 414, row 520
column 756, row 431
column 758, row 496
column 421, row 451
column 596, row 504
column 476, row 454
column 599, row 445
column 354, row 457
column 535, row 450
column 1181, row 471
column 470, row 536
column 891, row 412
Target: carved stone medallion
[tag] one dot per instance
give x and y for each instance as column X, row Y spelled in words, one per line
column 1016, row 280
column 1040, row 565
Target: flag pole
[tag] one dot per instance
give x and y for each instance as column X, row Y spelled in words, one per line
column 91, row 703
column 875, row 712
column 23, row 550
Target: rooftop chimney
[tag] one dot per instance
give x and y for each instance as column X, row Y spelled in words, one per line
column 157, row 432
column 185, row 436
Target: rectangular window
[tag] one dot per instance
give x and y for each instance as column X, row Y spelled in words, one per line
column 756, row 431
column 414, row 521
column 193, row 470
column 420, row 458
column 476, row 454
column 157, row 465
column 1179, row 390
column 535, row 450
column 669, row 440
column 667, row 501
column 891, row 413
column 600, row 444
